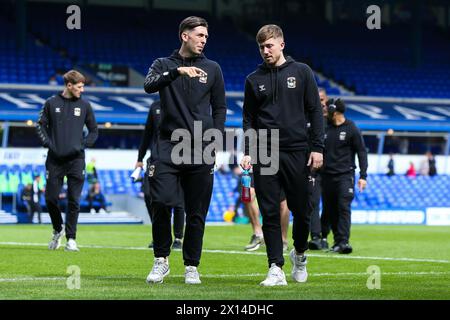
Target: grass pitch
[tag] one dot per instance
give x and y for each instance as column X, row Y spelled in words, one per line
column 114, row 261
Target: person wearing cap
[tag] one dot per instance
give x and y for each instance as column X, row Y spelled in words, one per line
column 342, row 141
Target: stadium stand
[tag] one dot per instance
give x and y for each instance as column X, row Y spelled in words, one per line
column 36, row 64
column 345, row 57
column 140, row 38
column 384, row 192
column 376, row 63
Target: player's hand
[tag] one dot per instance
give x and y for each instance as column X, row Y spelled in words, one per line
column 315, row 160
column 191, row 72
column 246, row 162
column 362, row 184
column 139, row 164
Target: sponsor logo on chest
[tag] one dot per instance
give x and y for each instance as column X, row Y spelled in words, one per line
column 77, row 112
column 342, row 135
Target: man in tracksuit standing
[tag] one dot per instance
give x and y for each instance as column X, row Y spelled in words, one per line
column 281, row 94
column 60, row 128
column 320, row 224
column 342, row 141
column 149, row 138
column 192, row 94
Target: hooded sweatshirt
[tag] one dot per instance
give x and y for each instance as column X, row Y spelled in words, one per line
column 185, row 100
column 60, row 127
column 285, row 98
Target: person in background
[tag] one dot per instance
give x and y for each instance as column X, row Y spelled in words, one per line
column 91, row 172
column 60, row 129
column 343, row 141
column 432, row 171
column 390, row 166
column 96, row 199
column 148, row 141
column 411, row 172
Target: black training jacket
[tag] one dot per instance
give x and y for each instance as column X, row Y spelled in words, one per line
column 150, row 134
column 60, row 126
column 185, row 100
column 341, row 144
column 285, row 98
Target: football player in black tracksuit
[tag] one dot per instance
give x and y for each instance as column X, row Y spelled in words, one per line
column 281, row 94
column 342, row 141
column 191, row 89
column 149, row 138
column 60, row 128
column 320, row 224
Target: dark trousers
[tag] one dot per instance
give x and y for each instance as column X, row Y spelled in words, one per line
column 320, row 224
column 33, row 207
column 315, row 207
column 73, row 169
column 292, row 177
column 196, row 182
column 337, row 194
column 178, row 211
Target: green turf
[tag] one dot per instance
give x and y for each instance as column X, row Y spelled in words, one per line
column 34, row 272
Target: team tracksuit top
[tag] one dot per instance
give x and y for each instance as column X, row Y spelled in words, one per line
column 150, row 134
column 283, row 98
column 341, row 144
column 185, row 100
column 60, row 126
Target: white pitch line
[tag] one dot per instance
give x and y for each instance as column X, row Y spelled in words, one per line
column 212, row 276
column 326, row 256
column 32, row 279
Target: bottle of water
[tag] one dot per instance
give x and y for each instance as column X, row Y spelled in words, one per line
column 246, row 183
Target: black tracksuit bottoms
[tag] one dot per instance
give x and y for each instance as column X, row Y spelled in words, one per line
column 337, row 194
column 196, row 182
column 315, row 207
column 320, row 224
column 74, row 170
column 178, row 211
column 292, row 177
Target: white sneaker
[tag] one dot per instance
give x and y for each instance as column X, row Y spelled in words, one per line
column 191, row 275
column 299, row 273
column 275, row 277
column 102, row 210
column 55, row 243
column 159, row 271
column 71, row 245
column 93, row 211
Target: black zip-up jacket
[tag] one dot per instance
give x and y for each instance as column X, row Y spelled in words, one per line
column 150, row 134
column 60, row 127
column 284, row 98
column 185, row 100
column 341, row 144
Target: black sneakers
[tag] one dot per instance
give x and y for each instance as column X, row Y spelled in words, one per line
column 343, row 248
column 177, row 244
column 315, row 244
column 324, row 243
